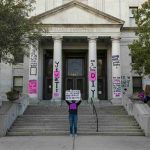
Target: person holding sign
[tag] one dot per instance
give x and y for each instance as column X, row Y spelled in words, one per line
column 73, row 116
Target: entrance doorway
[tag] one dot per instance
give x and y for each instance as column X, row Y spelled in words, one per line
column 102, row 75
column 48, row 76
column 75, row 73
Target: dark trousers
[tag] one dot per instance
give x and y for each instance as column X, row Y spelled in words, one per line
column 146, row 99
column 73, row 123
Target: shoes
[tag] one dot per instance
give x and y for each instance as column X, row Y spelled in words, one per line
column 73, row 135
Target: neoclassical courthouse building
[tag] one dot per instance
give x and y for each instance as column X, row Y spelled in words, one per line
column 84, row 47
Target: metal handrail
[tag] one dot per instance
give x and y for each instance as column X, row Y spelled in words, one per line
column 95, row 112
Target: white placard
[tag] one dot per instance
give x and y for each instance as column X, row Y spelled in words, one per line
column 73, row 95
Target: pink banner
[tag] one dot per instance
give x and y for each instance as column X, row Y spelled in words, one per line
column 92, row 75
column 32, row 86
column 57, row 74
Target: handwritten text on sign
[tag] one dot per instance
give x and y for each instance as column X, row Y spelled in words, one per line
column 73, row 95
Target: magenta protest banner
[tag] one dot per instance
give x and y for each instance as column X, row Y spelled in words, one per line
column 32, row 86
column 92, row 75
column 57, row 74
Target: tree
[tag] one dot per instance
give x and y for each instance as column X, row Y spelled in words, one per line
column 17, row 31
column 140, row 48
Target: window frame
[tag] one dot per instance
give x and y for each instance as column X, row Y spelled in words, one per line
column 18, row 86
column 137, row 88
column 131, row 8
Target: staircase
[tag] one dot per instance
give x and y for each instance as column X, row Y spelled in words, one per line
column 114, row 120
column 53, row 120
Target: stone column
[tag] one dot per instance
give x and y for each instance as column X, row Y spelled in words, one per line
column 0, row 100
column 33, row 73
column 57, row 68
column 116, row 71
column 92, row 67
column 0, row 85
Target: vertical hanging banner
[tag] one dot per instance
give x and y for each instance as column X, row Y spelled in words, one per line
column 56, row 75
column 33, row 72
column 117, row 87
column 92, row 75
column 116, row 77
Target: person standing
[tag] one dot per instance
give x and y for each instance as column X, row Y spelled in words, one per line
column 73, row 116
column 147, row 93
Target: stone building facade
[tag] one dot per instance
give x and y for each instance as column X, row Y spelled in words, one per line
column 84, row 47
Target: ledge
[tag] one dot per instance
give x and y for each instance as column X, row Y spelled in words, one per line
column 140, row 111
column 9, row 111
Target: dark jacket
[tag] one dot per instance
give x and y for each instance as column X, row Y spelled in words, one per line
column 73, row 111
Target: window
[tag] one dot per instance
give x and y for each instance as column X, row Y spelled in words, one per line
column 18, row 83
column 75, row 67
column 19, row 58
column 137, row 84
column 131, row 16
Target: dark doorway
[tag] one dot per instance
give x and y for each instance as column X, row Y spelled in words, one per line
column 48, row 76
column 75, row 73
column 102, row 75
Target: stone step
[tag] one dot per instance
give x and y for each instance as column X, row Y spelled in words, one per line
column 52, row 127
column 54, row 116
column 79, row 121
column 66, row 129
column 24, row 133
column 50, row 124
column 53, row 120
column 112, row 133
column 79, row 133
column 79, row 115
column 79, row 126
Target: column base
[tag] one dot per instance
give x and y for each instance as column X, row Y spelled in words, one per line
column 94, row 100
column 56, row 101
column 117, row 101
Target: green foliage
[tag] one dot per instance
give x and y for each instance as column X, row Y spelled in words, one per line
column 17, row 31
column 140, row 48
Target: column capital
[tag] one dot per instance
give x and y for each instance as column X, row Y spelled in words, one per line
column 57, row 37
column 92, row 38
column 117, row 38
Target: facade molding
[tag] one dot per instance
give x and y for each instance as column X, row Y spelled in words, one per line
column 80, row 5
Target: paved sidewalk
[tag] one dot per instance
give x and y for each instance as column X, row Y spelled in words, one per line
column 112, row 143
column 81, row 143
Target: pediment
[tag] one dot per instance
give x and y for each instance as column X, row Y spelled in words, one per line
column 76, row 12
